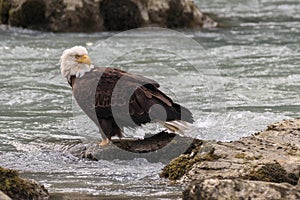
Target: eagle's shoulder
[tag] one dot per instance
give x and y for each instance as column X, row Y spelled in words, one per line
column 115, row 74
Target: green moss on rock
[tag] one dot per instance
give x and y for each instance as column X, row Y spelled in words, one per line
column 198, row 152
column 240, row 155
column 177, row 168
column 19, row 188
column 273, row 172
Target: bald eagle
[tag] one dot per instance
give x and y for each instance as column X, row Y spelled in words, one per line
column 114, row 99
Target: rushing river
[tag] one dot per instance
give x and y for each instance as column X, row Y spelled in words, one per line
column 255, row 59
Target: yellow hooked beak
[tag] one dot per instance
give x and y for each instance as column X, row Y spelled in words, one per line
column 84, row 59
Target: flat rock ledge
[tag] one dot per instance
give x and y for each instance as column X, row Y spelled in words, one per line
column 265, row 165
column 101, row 15
column 16, row 188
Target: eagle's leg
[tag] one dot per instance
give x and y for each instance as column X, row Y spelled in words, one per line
column 104, row 142
column 110, row 127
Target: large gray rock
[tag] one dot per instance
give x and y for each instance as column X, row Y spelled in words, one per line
column 277, row 148
column 4, row 196
column 269, row 156
column 215, row 189
column 99, row 15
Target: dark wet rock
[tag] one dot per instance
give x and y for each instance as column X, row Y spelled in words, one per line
column 5, row 7
column 30, row 14
column 268, row 156
column 73, row 16
column 228, row 189
column 100, row 15
column 161, row 147
column 20, row 189
column 121, row 15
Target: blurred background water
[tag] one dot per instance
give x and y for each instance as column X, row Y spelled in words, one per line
column 255, row 57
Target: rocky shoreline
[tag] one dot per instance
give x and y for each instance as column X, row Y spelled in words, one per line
column 263, row 166
column 101, row 15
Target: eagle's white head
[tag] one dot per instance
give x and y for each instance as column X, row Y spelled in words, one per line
column 75, row 62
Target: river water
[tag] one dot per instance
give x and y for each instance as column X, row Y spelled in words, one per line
column 236, row 81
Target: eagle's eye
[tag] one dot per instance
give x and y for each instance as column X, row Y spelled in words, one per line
column 77, row 56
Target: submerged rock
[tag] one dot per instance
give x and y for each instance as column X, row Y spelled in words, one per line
column 18, row 188
column 100, row 15
column 269, row 156
column 161, row 147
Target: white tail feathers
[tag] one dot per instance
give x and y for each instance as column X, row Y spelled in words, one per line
column 177, row 126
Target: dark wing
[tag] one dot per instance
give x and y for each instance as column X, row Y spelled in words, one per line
column 124, row 99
